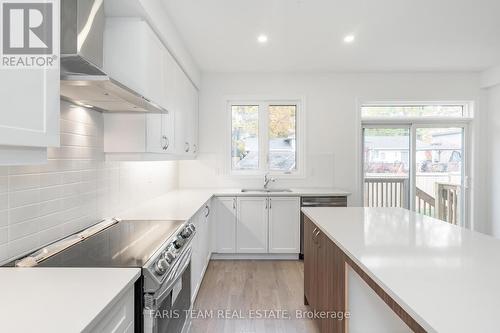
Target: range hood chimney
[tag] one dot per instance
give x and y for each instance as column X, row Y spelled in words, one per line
column 83, row 80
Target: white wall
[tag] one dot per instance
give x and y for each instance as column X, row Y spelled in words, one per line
column 77, row 188
column 332, row 120
column 493, row 138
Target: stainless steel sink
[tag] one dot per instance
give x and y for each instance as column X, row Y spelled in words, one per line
column 268, row 190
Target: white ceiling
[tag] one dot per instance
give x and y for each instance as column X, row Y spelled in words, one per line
column 306, row 35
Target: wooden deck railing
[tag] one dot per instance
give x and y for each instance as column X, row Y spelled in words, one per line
column 447, row 203
column 386, row 192
column 393, row 192
column 425, row 204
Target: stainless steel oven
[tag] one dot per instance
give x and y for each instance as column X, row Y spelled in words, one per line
column 162, row 249
column 166, row 309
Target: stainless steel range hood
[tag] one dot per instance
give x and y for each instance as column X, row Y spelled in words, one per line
column 83, row 80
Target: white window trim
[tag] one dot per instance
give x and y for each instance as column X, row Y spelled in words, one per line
column 467, row 105
column 300, row 136
column 414, row 122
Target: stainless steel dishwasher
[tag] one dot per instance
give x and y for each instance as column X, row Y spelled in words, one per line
column 323, row 201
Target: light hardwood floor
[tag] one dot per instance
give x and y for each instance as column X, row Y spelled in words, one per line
column 240, row 286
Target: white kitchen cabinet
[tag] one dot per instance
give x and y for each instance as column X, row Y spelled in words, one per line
column 251, row 228
column 225, row 224
column 29, row 119
column 160, row 133
column 119, row 317
column 257, row 225
column 30, row 107
column 138, row 133
column 201, row 250
column 136, row 57
column 182, row 108
column 170, row 88
column 284, row 225
column 192, row 119
column 133, row 55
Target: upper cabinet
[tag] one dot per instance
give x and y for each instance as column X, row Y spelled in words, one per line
column 186, row 123
column 133, row 55
column 29, row 90
column 136, row 57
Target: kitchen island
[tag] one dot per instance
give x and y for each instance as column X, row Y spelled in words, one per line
column 396, row 270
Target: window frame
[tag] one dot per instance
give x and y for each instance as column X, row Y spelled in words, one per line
column 263, row 133
column 468, row 108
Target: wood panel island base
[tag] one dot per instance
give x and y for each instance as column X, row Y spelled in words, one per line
column 343, row 294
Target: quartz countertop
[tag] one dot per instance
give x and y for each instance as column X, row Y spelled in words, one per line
column 446, row 277
column 56, row 300
column 183, row 204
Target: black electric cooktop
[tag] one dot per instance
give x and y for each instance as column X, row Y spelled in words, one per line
column 124, row 244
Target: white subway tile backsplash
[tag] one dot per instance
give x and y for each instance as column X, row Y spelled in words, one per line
column 23, row 198
column 23, row 213
column 24, row 182
column 50, row 221
column 4, row 253
column 4, row 201
column 22, row 246
column 4, row 218
column 51, row 193
column 4, row 235
column 4, row 184
column 49, row 207
column 23, row 229
column 42, row 203
column 50, row 179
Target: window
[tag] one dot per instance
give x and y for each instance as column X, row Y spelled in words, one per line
column 245, row 137
column 415, row 111
column 264, row 137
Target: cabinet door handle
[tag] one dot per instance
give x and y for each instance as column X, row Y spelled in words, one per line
column 195, row 149
column 316, row 235
column 270, row 206
column 186, row 147
column 314, row 231
column 266, row 203
column 207, row 211
column 234, row 203
column 165, row 142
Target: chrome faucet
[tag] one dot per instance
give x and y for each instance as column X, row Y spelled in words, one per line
column 267, row 180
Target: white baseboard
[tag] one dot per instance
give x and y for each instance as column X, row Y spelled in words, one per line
column 255, row 256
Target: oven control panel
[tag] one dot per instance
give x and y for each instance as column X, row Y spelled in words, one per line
column 173, row 250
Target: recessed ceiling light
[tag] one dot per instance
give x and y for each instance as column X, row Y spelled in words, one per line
column 262, row 39
column 349, row 39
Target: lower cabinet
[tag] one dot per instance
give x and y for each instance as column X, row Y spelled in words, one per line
column 284, row 225
column 322, row 265
column 119, row 318
column 251, row 228
column 201, row 248
column 225, row 224
column 257, row 225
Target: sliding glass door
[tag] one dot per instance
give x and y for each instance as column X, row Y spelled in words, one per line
column 439, row 172
column 386, row 167
column 416, row 166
